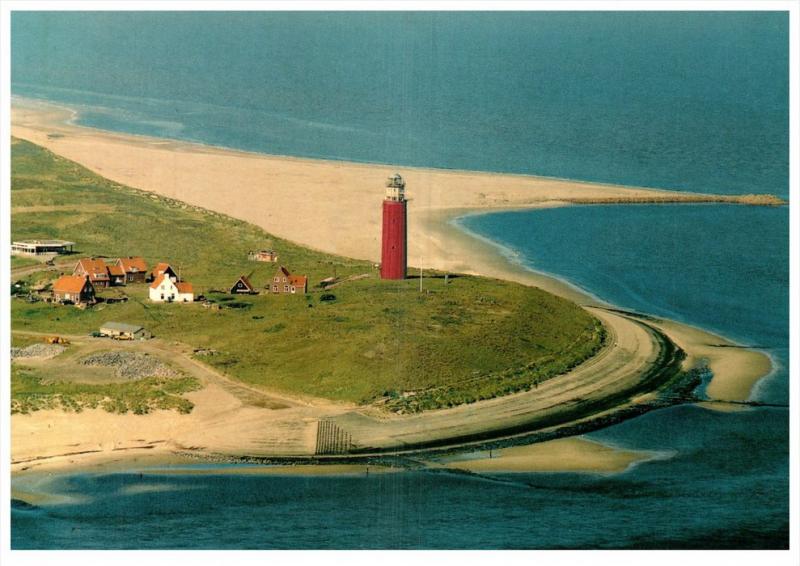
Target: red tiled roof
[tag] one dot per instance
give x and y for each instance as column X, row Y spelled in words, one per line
column 130, row 264
column 116, row 271
column 157, row 281
column 184, row 287
column 69, row 284
column 161, row 267
column 95, row 268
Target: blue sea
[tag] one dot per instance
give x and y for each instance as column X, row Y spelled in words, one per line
column 687, row 100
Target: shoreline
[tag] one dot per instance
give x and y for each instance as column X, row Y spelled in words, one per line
column 680, row 196
column 170, row 168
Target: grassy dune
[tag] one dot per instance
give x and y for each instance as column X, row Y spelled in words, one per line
column 30, row 391
column 469, row 339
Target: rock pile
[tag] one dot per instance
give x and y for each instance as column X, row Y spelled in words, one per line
column 130, row 365
column 42, row 351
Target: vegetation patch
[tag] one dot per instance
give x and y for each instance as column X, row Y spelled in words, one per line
column 31, row 392
column 491, row 384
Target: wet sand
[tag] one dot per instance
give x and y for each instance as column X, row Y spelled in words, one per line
column 574, row 454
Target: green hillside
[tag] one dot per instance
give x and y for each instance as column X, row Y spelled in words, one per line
column 458, row 341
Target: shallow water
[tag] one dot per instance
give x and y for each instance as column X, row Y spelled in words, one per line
column 725, row 486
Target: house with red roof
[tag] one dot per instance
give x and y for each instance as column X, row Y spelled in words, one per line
column 134, row 267
column 167, row 289
column 96, row 269
column 161, row 268
column 116, row 274
column 77, row 289
column 285, row 282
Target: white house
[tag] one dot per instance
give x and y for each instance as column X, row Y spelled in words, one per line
column 167, row 289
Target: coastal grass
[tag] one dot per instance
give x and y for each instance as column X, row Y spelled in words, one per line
column 22, row 261
column 461, row 339
column 31, row 391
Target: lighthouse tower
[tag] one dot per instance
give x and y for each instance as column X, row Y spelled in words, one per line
column 393, row 249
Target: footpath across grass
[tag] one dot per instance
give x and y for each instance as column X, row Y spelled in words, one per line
column 462, row 339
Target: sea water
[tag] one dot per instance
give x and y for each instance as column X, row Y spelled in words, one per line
column 683, row 100
column 688, row 101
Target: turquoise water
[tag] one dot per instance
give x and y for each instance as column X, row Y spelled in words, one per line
column 724, row 268
column 691, row 101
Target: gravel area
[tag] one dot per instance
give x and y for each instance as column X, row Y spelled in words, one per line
column 130, row 365
column 42, row 351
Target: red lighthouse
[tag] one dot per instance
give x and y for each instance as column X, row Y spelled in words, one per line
column 393, row 249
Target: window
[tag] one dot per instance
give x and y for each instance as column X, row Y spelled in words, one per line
column 293, row 289
column 285, row 288
column 284, row 279
column 275, row 288
column 162, row 296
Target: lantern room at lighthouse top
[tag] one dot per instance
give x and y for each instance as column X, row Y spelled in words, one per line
column 395, row 188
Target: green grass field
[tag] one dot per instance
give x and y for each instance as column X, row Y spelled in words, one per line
column 22, row 261
column 469, row 339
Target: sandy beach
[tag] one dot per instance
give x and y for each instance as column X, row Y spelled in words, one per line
column 331, row 206
column 575, row 454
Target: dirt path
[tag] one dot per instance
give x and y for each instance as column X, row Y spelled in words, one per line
column 25, row 270
column 179, row 356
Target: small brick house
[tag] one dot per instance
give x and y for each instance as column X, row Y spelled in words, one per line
column 116, row 274
column 134, row 267
column 96, row 269
column 77, row 289
column 285, row 282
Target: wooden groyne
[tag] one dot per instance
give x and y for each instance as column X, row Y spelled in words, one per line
column 331, row 439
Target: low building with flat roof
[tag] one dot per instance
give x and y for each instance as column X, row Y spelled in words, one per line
column 41, row 247
column 122, row 330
